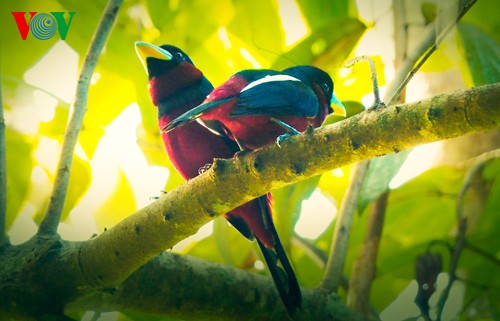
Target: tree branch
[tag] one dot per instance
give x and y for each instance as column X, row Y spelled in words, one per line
column 52, row 216
column 3, row 176
column 432, row 38
column 189, row 288
column 364, row 269
column 114, row 255
column 338, row 249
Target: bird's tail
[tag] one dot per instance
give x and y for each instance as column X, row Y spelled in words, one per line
column 193, row 113
column 279, row 265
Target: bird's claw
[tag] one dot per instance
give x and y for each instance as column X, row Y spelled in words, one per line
column 204, row 168
column 283, row 137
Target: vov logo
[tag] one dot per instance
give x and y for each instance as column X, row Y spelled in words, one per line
column 43, row 26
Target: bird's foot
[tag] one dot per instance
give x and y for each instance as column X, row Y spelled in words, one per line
column 377, row 105
column 290, row 131
column 283, row 137
column 204, row 168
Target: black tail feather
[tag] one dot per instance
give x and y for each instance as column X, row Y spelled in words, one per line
column 280, row 267
column 283, row 276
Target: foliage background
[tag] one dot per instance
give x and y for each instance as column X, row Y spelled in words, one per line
column 120, row 162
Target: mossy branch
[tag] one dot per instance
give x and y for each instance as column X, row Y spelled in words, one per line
column 189, row 288
column 112, row 256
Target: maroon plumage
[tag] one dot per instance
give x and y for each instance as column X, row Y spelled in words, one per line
column 176, row 86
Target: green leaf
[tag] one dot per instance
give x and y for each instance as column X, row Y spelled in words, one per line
column 327, row 47
column 420, row 211
column 321, row 12
column 118, row 205
column 484, row 15
column 287, row 205
column 233, row 247
column 161, row 12
column 482, row 54
column 19, row 166
column 308, row 273
column 264, row 38
column 226, row 246
column 380, row 173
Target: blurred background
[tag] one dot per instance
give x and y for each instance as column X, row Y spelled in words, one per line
column 120, row 164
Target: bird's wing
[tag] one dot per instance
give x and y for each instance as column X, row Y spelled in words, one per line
column 277, row 95
column 194, row 113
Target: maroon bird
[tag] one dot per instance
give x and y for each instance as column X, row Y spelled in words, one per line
column 255, row 107
column 176, row 86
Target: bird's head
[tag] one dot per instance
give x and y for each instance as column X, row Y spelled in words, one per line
column 157, row 60
column 322, row 84
column 170, row 71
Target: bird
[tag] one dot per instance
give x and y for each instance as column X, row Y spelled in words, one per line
column 255, row 107
column 175, row 87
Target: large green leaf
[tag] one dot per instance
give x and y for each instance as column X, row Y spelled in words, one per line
column 321, row 12
column 327, row 47
column 261, row 38
column 308, row 272
column 19, row 165
column 233, row 247
column 482, row 54
column 287, row 205
column 161, row 12
column 226, row 246
column 380, row 173
column 484, row 15
column 418, row 212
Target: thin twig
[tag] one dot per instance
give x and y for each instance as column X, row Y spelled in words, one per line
column 436, row 40
column 53, row 214
column 376, row 93
column 364, row 268
column 488, row 256
column 460, row 241
column 338, row 249
column 3, row 176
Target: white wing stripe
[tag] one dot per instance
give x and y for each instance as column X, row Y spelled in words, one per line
column 267, row 79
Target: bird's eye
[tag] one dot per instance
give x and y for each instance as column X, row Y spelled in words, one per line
column 325, row 87
column 179, row 56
